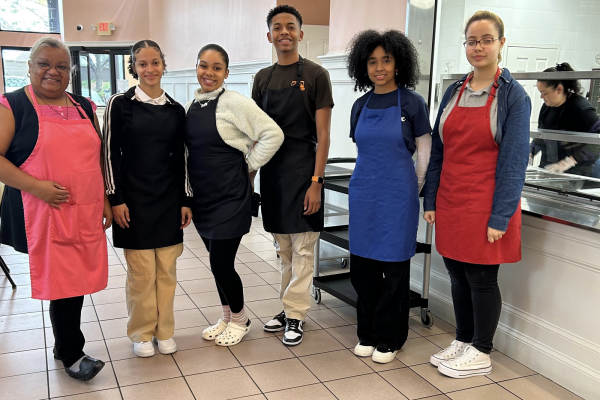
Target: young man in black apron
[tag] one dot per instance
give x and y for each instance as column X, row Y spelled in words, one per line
column 296, row 93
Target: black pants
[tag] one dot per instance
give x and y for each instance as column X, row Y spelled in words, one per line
column 477, row 302
column 383, row 307
column 65, row 315
column 222, row 263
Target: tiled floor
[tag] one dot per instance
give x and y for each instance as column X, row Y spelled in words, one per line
column 261, row 367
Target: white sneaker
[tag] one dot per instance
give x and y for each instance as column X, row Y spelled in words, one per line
column 143, row 349
column 456, row 349
column 472, row 363
column 233, row 334
column 166, row 346
column 212, row 332
column 383, row 355
column 364, row 350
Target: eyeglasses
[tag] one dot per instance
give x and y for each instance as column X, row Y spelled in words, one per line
column 44, row 66
column 487, row 42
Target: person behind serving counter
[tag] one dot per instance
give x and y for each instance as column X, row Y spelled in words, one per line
column 564, row 109
column 50, row 162
column 388, row 124
column 222, row 126
column 473, row 192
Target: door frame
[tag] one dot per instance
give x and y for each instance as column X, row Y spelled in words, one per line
column 111, row 51
column 529, row 45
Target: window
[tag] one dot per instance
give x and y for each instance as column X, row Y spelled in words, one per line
column 29, row 16
column 101, row 72
column 14, row 64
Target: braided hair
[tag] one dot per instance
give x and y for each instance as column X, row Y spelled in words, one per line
column 143, row 44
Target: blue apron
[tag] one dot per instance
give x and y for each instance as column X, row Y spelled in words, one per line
column 383, row 191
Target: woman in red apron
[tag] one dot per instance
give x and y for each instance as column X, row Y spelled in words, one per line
column 473, row 192
column 54, row 201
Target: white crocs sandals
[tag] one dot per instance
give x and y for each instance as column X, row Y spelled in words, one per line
column 212, row 332
column 233, row 334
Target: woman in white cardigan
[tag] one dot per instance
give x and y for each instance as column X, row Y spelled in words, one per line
column 222, row 127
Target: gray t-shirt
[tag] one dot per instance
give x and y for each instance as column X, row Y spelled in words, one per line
column 471, row 98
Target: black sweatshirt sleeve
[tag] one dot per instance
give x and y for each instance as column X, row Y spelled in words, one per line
column 113, row 124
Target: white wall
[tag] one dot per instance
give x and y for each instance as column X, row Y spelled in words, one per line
column 572, row 24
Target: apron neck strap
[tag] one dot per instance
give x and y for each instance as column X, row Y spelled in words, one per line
column 492, row 93
column 299, row 73
column 82, row 113
column 76, row 104
column 33, row 98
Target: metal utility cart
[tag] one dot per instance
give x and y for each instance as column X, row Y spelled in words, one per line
column 338, row 285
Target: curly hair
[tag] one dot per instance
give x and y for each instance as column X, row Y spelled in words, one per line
column 143, row 44
column 393, row 42
column 284, row 8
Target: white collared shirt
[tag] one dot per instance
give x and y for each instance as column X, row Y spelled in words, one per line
column 144, row 98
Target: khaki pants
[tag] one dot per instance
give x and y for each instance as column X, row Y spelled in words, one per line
column 297, row 252
column 150, row 290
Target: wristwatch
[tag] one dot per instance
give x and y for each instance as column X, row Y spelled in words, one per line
column 318, row 179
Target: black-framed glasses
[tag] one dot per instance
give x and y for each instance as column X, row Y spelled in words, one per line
column 487, row 42
column 45, row 66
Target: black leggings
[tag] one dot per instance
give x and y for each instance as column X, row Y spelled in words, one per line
column 65, row 315
column 477, row 302
column 222, row 264
column 383, row 305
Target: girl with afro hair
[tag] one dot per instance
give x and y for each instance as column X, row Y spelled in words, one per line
column 388, row 124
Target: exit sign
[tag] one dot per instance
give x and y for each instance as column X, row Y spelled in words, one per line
column 104, row 28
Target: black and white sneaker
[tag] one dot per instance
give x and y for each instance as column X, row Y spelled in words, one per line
column 293, row 332
column 383, row 354
column 277, row 324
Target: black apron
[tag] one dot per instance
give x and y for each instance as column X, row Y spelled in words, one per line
column 286, row 178
column 218, row 175
column 151, row 177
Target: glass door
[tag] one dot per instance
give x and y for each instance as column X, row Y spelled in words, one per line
column 102, row 73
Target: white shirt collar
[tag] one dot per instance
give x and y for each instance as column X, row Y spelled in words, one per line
column 144, row 98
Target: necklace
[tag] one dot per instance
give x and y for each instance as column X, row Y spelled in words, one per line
column 202, row 105
column 53, row 109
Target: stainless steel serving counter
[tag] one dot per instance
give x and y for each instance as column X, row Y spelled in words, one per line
column 564, row 198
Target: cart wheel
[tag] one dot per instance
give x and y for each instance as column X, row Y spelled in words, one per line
column 317, row 296
column 344, row 262
column 427, row 319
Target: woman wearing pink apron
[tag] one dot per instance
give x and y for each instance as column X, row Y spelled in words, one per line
column 54, row 201
column 473, row 192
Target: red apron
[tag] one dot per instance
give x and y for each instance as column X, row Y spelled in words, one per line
column 466, row 191
column 67, row 247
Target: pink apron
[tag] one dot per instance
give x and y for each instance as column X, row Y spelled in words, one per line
column 67, row 248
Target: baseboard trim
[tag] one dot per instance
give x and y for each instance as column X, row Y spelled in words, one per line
column 557, row 366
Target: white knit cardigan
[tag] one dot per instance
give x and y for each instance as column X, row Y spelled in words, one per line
column 240, row 122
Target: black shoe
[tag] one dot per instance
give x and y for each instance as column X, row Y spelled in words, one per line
column 277, row 324
column 293, row 332
column 88, row 369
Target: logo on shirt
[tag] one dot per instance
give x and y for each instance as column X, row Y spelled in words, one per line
column 403, row 119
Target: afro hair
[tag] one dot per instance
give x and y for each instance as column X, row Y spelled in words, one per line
column 394, row 43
